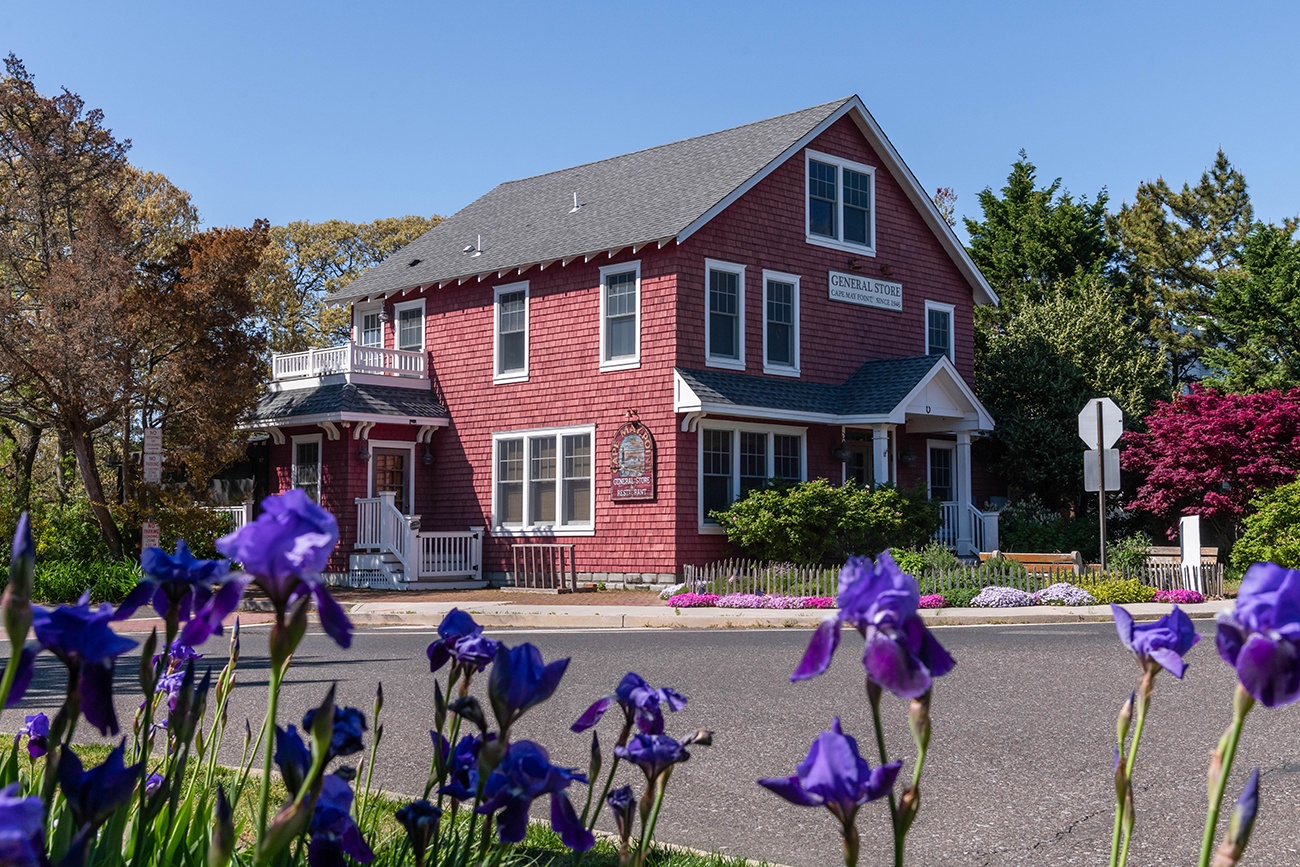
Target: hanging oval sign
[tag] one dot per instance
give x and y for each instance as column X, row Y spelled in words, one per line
column 632, row 464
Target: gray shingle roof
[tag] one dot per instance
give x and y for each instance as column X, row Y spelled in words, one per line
column 339, row 399
column 876, row 388
column 626, row 200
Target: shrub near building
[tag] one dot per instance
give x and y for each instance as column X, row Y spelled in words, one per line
column 815, row 522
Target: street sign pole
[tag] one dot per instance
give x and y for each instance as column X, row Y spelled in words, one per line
column 1101, row 490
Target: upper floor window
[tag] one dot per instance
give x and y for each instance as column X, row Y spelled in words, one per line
column 939, row 329
column 511, row 333
column 370, row 327
column 841, row 204
column 409, row 326
column 724, row 318
column 620, row 316
column 543, row 480
column 780, row 323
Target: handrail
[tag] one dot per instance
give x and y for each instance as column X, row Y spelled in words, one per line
column 350, row 358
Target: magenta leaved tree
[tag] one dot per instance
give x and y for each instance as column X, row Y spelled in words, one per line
column 1209, row 453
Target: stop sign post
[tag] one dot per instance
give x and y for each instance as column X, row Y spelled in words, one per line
column 1100, row 424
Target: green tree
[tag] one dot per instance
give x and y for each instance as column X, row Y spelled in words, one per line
column 304, row 262
column 1031, row 238
column 1272, row 530
column 1255, row 315
column 1038, row 372
column 1174, row 248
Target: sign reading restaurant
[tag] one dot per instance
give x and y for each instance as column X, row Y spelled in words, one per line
column 856, row 289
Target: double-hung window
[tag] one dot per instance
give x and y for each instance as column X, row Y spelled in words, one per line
column 736, row 459
column 306, row 470
column 511, row 338
column 938, row 329
column 409, row 325
column 841, row 204
column 620, row 316
column 543, row 481
column 780, row 323
column 369, row 325
column 724, row 315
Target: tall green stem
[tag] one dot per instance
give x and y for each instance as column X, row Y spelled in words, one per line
column 272, row 704
column 873, row 699
column 1143, row 704
column 1241, row 704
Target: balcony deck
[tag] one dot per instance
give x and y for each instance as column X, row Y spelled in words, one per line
column 354, row 362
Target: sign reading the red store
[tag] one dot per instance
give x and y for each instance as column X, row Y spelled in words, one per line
column 632, row 463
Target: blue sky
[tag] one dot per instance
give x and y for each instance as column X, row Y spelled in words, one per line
column 360, row 110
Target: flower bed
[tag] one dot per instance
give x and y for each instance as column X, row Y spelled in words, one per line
column 1179, row 596
column 1064, row 593
column 1002, row 597
column 933, row 600
column 749, row 600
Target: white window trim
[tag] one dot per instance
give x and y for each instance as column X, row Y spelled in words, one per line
column 318, row 439
column 951, row 310
column 948, row 445
column 781, row 369
column 410, row 466
column 514, row 375
column 735, row 428
column 359, row 312
column 397, row 322
column 837, row 243
column 584, row 529
column 737, row 363
column 624, row 362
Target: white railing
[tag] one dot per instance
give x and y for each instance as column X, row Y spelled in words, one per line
column 984, row 529
column 381, row 526
column 349, row 358
column 369, row 535
column 947, row 532
column 238, row 516
column 449, row 554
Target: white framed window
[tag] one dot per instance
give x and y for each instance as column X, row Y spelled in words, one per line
column 408, row 325
column 368, row 325
column 543, row 481
column 736, row 458
column 780, row 323
column 941, row 470
column 510, row 334
column 306, row 465
column 724, row 314
column 841, row 203
column 939, row 333
column 620, row 316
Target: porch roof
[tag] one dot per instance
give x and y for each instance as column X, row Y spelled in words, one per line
column 346, row 401
column 881, row 391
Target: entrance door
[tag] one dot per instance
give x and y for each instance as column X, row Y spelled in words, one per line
column 860, row 467
column 391, row 468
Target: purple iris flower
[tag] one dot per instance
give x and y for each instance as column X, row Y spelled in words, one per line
column 196, row 593
column 881, row 602
column 87, row 645
column 525, row 774
column 22, row 830
column 653, row 754
column 285, row 550
column 37, row 730
column 334, row 833
column 179, row 654
column 461, row 639
column 152, row 784
column 622, row 803
column 420, row 819
column 292, row 758
column 520, row 680
column 462, row 769
column 349, row 725
column 1260, row 637
column 95, row 794
column 640, row 703
column 835, row 776
column 1163, row 642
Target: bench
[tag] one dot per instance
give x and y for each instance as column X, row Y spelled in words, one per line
column 1040, row 563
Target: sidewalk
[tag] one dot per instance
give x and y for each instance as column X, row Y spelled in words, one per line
column 421, row 611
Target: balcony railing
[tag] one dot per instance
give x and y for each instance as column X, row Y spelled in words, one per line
column 347, row 359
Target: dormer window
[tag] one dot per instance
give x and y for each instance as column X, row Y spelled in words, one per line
column 841, row 204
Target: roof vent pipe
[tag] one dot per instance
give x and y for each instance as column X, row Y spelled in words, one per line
column 576, row 205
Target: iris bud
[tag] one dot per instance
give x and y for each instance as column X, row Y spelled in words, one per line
column 593, row 767
column 1125, row 719
column 918, row 719
column 379, row 701
column 439, row 707
column 148, row 669
column 287, row 826
column 223, row 832
column 1240, row 824
column 17, row 600
column 322, row 728
column 470, row 710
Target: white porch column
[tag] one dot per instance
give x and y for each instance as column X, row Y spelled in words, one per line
column 965, row 532
column 880, row 456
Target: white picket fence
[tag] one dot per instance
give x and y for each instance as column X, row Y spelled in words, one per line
column 764, row 579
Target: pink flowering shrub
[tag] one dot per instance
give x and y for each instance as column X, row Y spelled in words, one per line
column 694, row 600
column 933, row 600
column 742, row 600
column 818, row 602
column 1179, row 596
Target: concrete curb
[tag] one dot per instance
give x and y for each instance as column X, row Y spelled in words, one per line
column 509, row 615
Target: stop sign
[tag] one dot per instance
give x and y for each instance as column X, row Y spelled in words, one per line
column 1112, row 423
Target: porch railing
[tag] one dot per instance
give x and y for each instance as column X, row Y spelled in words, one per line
column 382, row 527
column 947, row 533
column 450, row 554
column 350, row 358
column 984, row 527
column 238, row 516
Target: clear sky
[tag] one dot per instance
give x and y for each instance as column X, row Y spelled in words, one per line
column 359, row 110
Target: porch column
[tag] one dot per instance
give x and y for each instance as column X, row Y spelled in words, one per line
column 880, row 456
column 965, row 532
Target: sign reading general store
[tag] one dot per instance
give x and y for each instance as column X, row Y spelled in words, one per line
column 632, row 464
column 866, row 291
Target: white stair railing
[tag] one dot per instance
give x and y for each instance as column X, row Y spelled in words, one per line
column 382, row 526
column 368, row 528
column 947, row 532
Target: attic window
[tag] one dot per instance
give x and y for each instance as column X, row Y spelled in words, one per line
column 840, row 204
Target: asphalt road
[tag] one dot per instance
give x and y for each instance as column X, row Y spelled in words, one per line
column 1019, row 766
